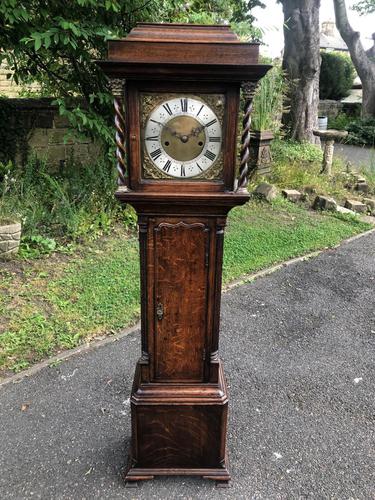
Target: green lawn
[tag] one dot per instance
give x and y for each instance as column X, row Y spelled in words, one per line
column 55, row 303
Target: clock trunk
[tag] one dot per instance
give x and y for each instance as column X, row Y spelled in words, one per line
column 179, row 400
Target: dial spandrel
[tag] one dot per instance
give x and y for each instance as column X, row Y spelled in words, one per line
column 183, row 137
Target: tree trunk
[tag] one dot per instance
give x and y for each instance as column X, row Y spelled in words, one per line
column 362, row 60
column 301, row 63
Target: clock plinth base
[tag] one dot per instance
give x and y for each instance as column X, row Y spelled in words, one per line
column 178, row 429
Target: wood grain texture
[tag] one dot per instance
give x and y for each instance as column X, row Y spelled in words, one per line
column 179, row 400
column 179, row 436
column 181, row 272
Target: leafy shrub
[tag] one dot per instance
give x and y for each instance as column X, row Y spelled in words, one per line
column 336, row 75
column 75, row 203
column 341, row 121
column 362, row 132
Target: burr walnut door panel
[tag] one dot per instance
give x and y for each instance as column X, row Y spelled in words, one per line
column 181, row 279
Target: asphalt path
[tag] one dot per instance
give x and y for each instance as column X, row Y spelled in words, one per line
column 298, row 348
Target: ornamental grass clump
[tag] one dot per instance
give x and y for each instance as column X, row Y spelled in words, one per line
column 268, row 101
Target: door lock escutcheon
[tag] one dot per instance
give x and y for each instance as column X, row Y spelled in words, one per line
column 159, row 311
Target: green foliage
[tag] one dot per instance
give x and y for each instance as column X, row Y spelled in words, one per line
column 298, row 166
column 260, row 235
column 35, row 246
column 72, row 204
column 288, row 151
column 268, row 101
column 58, row 303
column 362, row 132
column 56, row 44
column 365, row 6
column 340, row 122
column 336, row 75
column 235, row 12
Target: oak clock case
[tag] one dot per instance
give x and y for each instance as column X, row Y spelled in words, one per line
column 187, row 147
column 176, row 135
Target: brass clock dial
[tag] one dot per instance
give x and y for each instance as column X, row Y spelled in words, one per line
column 183, row 137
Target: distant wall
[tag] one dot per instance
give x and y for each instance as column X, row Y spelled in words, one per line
column 46, row 131
column 8, row 88
column 330, row 108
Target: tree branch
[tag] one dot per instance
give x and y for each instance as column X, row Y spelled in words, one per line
column 351, row 37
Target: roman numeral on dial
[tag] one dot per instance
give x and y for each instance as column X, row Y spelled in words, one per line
column 211, row 123
column 167, row 108
column 155, row 154
column 210, row 155
column 214, row 139
column 184, row 105
column 167, row 166
column 152, row 138
column 183, row 173
column 200, row 109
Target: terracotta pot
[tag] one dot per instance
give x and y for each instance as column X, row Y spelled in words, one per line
column 10, row 235
column 260, row 152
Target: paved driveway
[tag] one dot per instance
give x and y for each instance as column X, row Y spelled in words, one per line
column 299, row 352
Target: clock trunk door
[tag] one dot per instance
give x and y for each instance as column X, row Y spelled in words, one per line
column 181, row 278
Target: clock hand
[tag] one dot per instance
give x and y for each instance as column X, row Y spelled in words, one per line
column 173, row 132
column 196, row 131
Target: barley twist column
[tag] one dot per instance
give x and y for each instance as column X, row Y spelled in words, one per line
column 248, row 91
column 118, row 89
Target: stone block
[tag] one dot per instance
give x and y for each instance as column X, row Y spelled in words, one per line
column 343, row 210
column 9, row 239
column 356, row 206
column 59, row 136
column 57, row 153
column 44, row 120
column 39, row 138
column 60, row 121
column 324, row 203
column 266, row 191
column 362, row 187
column 370, row 203
column 292, row 195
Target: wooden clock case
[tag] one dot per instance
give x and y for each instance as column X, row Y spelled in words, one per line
column 179, row 400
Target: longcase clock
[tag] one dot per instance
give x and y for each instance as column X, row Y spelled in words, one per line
column 177, row 98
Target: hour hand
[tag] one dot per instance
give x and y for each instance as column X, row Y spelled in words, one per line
column 165, row 126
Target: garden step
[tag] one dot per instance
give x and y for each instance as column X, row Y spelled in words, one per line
column 343, row 210
column 266, row 191
column 324, row 203
column 291, row 195
column 370, row 202
column 362, row 187
column 356, row 206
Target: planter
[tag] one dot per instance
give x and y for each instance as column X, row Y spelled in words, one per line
column 322, row 122
column 260, row 152
column 10, row 235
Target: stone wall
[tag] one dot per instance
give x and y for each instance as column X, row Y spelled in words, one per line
column 47, row 132
column 330, row 108
column 8, row 87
